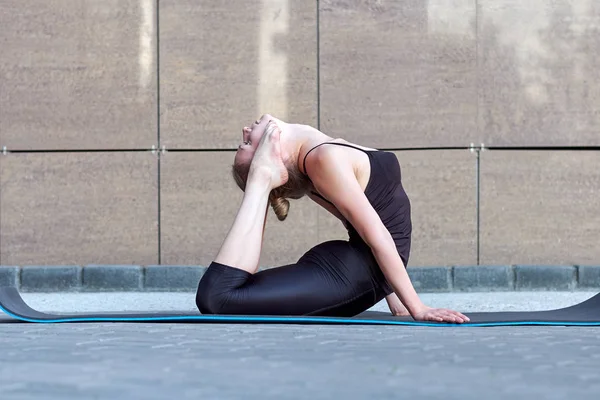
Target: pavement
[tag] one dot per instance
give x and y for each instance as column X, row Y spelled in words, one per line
column 158, row 361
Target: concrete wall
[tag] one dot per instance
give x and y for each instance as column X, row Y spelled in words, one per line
column 81, row 76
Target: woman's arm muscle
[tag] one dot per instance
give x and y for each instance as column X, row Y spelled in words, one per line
column 335, row 179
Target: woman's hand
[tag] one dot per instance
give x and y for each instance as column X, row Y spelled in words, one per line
column 439, row 315
column 424, row 313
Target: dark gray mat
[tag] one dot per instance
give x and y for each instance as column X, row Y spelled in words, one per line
column 586, row 313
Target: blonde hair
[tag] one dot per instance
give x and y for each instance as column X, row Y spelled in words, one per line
column 295, row 188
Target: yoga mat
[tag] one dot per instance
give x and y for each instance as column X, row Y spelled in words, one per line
column 586, row 313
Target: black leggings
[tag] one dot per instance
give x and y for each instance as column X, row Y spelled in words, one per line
column 335, row 278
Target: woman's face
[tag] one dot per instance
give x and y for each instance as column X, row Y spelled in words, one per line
column 251, row 136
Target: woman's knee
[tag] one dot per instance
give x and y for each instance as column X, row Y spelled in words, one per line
column 205, row 298
column 216, row 287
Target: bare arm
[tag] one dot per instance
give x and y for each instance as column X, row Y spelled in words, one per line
column 336, row 181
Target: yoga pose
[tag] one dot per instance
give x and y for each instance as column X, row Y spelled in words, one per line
column 360, row 186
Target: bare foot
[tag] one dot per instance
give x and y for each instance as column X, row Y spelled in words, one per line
column 401, row 313
column 267, row 161
column 396, row 307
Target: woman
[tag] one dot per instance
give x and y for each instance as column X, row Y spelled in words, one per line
column 360, row 186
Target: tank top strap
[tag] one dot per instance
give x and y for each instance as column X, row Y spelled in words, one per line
column 306, row 155
column 339, row 144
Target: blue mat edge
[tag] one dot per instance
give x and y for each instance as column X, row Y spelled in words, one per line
column 287, row 320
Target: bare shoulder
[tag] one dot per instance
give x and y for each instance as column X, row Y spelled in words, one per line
column 330, row 162
column 319, row 152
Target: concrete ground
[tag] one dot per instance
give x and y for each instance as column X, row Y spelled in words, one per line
column 158, row 361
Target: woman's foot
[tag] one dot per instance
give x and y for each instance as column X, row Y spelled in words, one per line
column 268, row 162
column 396, row 307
